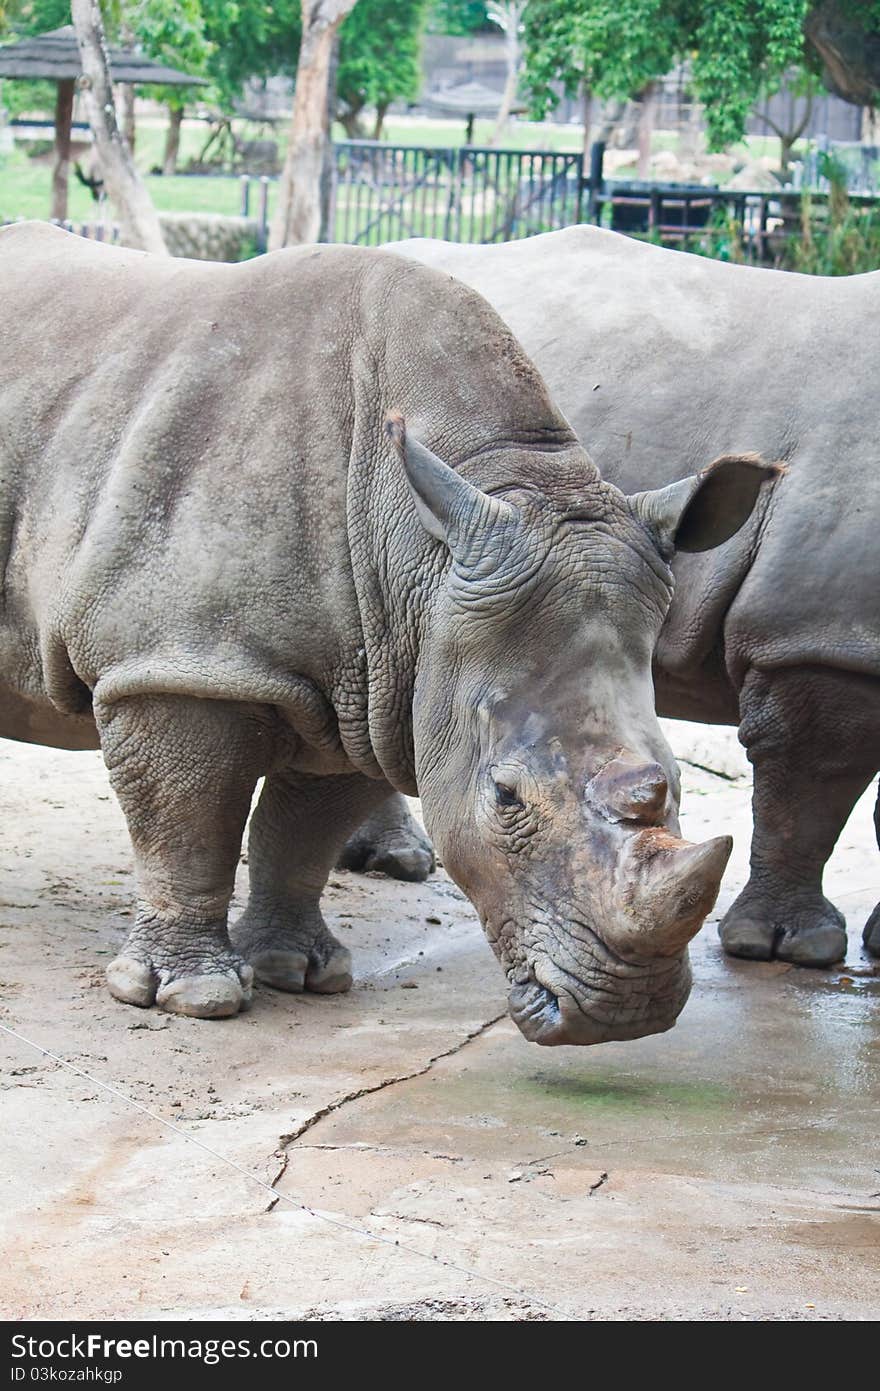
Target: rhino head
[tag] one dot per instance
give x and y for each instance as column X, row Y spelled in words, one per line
column 546, row 782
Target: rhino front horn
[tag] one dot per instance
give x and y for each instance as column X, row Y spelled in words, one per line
column 670, row 887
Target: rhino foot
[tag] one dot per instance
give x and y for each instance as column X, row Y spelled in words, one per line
column 411, row 859
column 871, row 934
column 219, row 989
column 294, row 957
column 760, row 930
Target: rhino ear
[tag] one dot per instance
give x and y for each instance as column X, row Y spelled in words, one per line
column 705, row 510
column 471, row 523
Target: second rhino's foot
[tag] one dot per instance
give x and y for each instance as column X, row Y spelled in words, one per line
column 204, row 981
column 871, row 934
column 402, row 854
column 806, row 934
column 294, row 953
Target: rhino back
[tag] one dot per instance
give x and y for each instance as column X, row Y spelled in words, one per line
column 662, row 361
column 188, row 450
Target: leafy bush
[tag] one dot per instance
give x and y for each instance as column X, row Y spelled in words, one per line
column 845, row 241
column 29, row 98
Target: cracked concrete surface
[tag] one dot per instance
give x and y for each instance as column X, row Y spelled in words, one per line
column 728, row 1169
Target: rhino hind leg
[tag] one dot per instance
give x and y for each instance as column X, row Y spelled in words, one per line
column 392, row 842
column 812, row 737
column 184, row 771
column 296, row 833
column 871, row 934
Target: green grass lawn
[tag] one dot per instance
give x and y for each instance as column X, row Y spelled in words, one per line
column 520, row 135
column 25, row 183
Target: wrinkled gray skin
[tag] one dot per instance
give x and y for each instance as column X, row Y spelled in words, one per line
column 223, row 561
column 660, row 360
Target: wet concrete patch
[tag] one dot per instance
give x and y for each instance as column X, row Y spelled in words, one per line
column 726, row 1169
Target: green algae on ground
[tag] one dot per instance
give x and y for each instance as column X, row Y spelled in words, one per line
column 591, row 1090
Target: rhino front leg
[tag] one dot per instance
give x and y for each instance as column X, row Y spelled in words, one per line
column 812, row 739
column 392, row 841
column 871, row 934
column 297, row 831
column 184, row 771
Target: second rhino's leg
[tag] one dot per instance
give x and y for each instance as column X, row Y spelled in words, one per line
column 392, row 841
column 812, row 737
column 871, row 934
column 184, row 771
column 297, row 830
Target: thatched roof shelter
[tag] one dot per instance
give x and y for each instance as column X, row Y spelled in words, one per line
column 54, row 57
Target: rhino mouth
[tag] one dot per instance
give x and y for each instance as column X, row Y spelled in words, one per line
column 535, row 1011
column 550, row 1019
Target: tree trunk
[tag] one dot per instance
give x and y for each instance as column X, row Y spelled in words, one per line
column 129, row 130
column 381, row 113
column 350, row 121
column 298, row 213
column 511, row 16
column 786, row 144
column 172, row 140
column 61, row 167
column 587, row 108
column 613, row 113
column 131, row 201
column 328, row 167
column 646, row 128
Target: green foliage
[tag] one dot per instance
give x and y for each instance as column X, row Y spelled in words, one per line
column 845, row 241
column 31, row 17
column 171, row 31
column 740, row 45
column 866, row 12
column 458, row 16
column 720, row 240
column 36, row 16
column 380, row 49
column 256, row 38
column 25, row 98
column 617, row 49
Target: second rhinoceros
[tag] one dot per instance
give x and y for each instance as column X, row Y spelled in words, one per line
column 315, row 519
column 659, row 359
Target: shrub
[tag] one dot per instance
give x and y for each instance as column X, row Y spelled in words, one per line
column 845, row 241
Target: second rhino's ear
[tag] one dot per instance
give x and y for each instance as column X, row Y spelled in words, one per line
column 476, row 527
column 706, row 509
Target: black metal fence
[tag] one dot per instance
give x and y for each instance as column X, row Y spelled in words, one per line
column 382, row 192
column 472, row 193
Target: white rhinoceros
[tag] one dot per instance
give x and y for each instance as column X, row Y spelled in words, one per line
column 224, row 558
column 658, row 360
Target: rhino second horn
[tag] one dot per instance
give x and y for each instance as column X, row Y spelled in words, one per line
column 629, row 789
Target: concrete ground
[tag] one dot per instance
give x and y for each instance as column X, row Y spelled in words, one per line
column 726, row 1170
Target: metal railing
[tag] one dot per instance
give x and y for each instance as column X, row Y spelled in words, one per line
column 382, row 192
column 470, row 193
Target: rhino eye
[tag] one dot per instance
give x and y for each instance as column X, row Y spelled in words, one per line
column 506, row 796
